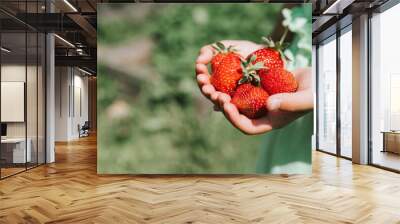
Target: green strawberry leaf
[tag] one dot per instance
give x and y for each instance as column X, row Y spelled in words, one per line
column 284, row 55
column 244, row 63
column 220, row 45
column 256, row 80
column 252, row 58
column 216, row 48
column 244, row 79
column 231, row 49
column 258, row 66
column 269, row 42
column 243, row 67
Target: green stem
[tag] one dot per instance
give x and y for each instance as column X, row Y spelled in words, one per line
column 284, row 36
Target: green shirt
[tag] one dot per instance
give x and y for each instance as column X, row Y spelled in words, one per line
column 288, row 150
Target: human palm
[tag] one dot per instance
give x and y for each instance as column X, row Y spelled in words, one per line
column 282, row 108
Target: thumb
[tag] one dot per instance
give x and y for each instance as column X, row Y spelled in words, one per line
column 297, row 101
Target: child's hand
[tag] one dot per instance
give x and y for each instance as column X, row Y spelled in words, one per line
column 282, row 108
column 243, row 47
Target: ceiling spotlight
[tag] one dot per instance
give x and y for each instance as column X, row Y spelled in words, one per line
column 70, row 5
column 79, row 51
column 65, row 41
column 5, row 50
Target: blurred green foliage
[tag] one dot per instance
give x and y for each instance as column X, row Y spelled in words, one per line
column 300, row 49
column 162, row 124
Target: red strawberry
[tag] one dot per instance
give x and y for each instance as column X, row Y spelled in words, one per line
column 272, row 55
column 222, row 52
column 249, row 97
column 278, row 80
column 229, row 72
column 250, row 100
column 269, row 56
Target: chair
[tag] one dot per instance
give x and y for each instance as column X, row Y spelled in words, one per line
column 84, row 130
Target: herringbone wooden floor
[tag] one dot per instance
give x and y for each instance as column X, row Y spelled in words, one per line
column 70, row 191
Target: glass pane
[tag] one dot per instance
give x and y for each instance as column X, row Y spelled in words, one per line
column 346, row 93
column 13, row 86
column 31, row 97
column 385, row 86
column 41, row 98
column 327, row 97
column 22, row 102
column 31, row 87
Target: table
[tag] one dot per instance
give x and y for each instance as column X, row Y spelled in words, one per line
column 18, row 151
column 391, row 141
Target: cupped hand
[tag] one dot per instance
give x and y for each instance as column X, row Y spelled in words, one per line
column 242, row 47
column 282, row 108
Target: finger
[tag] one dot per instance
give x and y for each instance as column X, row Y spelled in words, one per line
column 298, row 101
column 201, row 69
column 223, row 98
column 273, row 103
column 244, row 124
column 261, row 125
column 303, row 77
column 203, row 79
column 206, row 54
column 232, row 114
column 207, row 90
column 214, row 96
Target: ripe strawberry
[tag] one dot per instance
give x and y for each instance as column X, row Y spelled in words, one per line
column 269, row 56
column 229, row 72
column 222, row 52
column 250, row 100
column 272, row 55
column 278, row 80
column 249, row 97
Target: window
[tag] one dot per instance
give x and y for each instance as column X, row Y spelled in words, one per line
column 327, row 96
column 346, row 92
column 22, row 88
column 385, row 89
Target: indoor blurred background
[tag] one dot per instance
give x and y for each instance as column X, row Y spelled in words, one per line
column 152, row 117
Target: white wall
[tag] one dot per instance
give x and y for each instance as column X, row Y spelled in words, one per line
column 80, row 89
column 62, row 81
column 70, row 83
column 12, row 73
